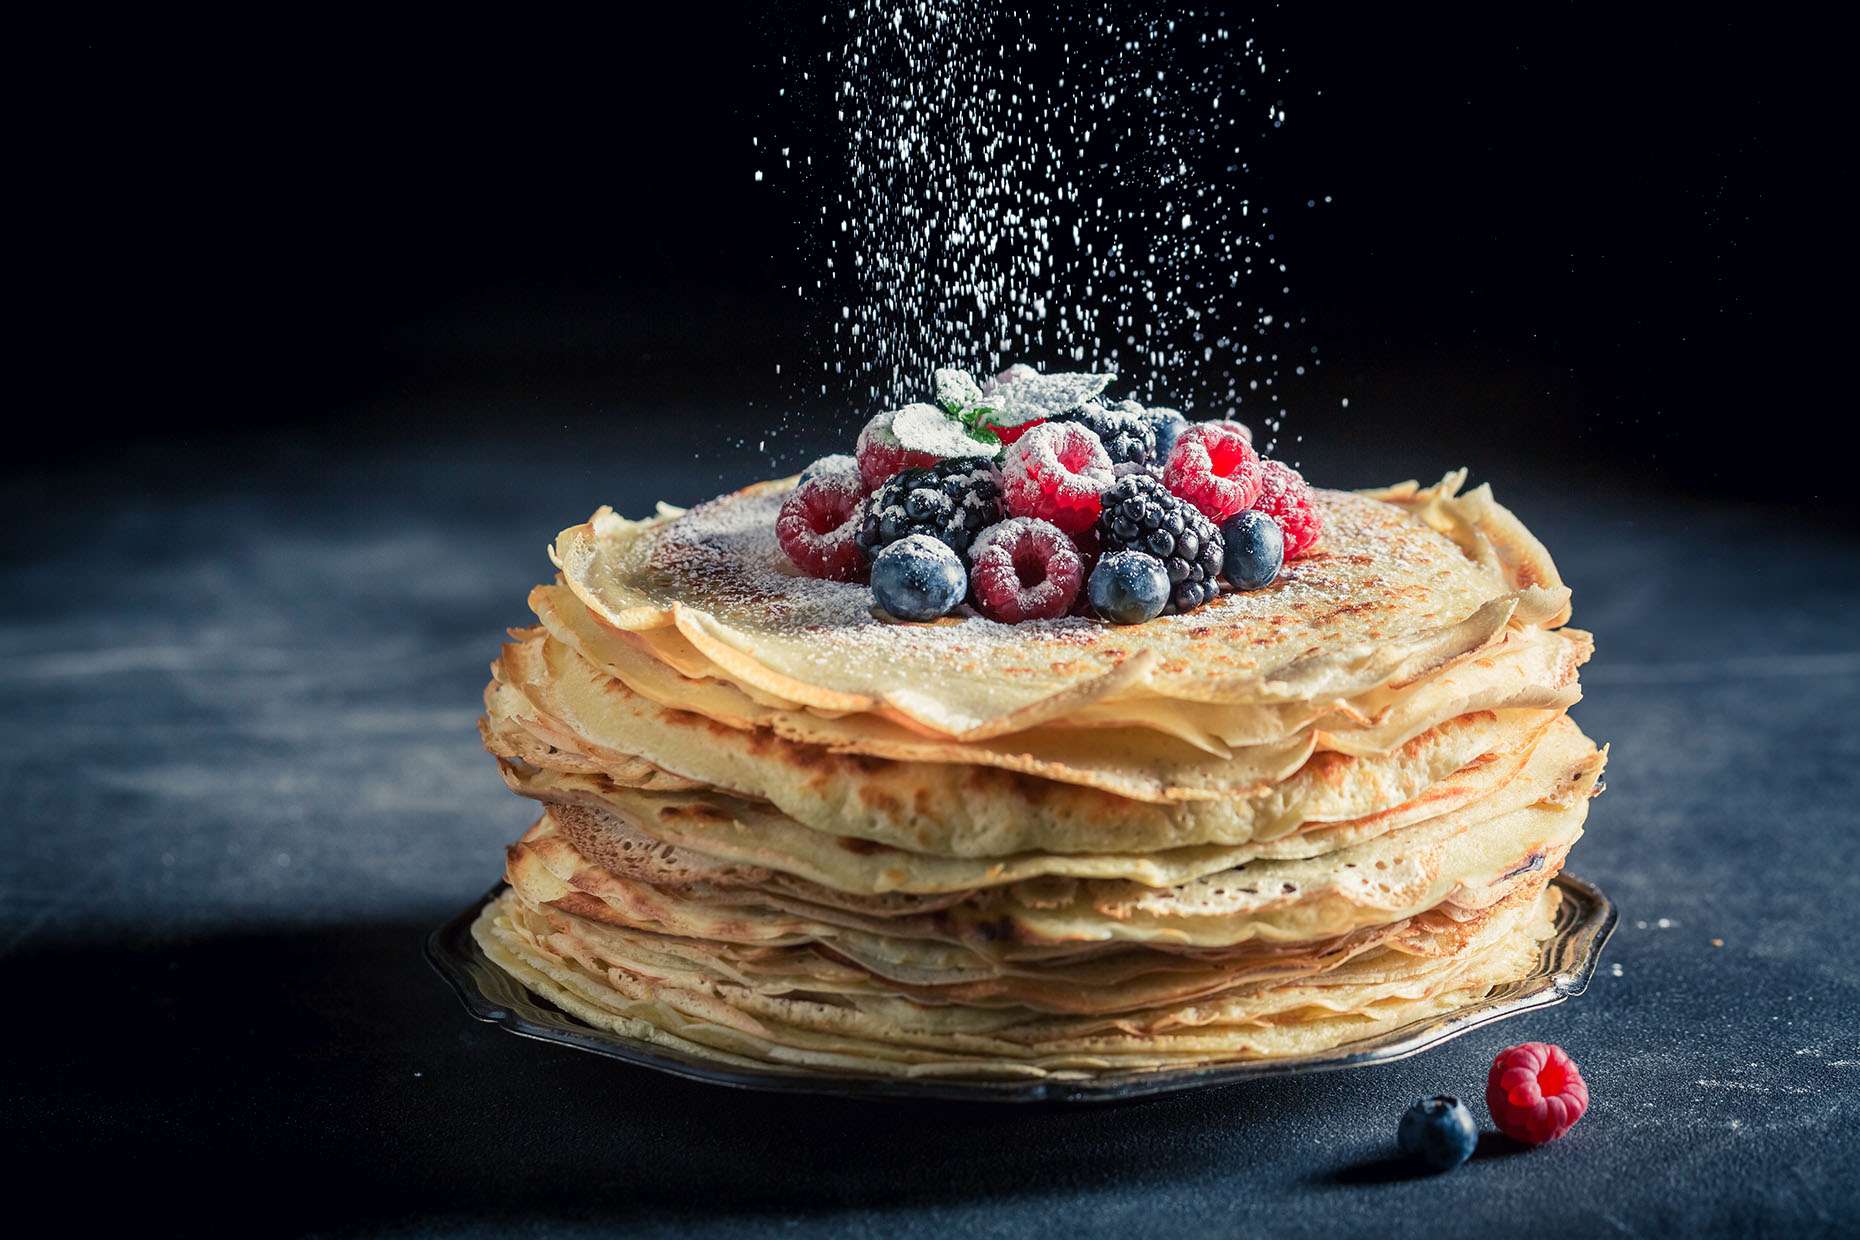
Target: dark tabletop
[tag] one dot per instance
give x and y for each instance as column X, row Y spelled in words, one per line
column 242, row 783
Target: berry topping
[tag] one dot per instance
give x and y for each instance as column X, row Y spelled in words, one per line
column 880, row 455
column 1286, row 498
column 1129, row 587
column 1213, row 466
column 1535, row 1093
column 818, row 525
column 1128, row 438
column 1025, row 569
column 1167, row 425
column 1056, row 473
column 952, row 501
column 1255, row 550
column 918, row 578
column 1438, row 1131
column 1140, row 515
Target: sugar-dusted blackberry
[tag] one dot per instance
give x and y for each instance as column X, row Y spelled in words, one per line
column 1128, row 438
column 1141, row 515
column 952, row 501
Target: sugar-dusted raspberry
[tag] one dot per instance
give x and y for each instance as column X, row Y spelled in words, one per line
column 1056, row 473
column 880, row 455
column 819, row 525
column 1213, row 466
column 1535, row 1093
column 1285, row 496
column 1024, row 569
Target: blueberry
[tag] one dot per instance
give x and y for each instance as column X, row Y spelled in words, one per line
column 918, row 578
column 1255, row 550
column 1128, row 587
column 1438, row 1131
column 1168, row 424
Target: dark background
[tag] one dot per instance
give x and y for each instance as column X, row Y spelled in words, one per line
column 330, row 323
column 1598, row 240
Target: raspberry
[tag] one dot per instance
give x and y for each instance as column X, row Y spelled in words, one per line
column 1056, row 473
column 880, row 454
column 1012, row 434
column 819, row 524
column 1140, row 515
column 1128, row 438
column 1535, row 1093
column 952, row 501
column 1214, row 468
column 1285, row 496
column 1025, row 569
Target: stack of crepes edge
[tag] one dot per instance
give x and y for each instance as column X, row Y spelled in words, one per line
column 782, row 832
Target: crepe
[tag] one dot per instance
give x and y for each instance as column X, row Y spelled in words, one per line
column 1402, row 583
column 779, row 830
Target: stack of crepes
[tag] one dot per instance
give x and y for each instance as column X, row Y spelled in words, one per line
column 781, row 831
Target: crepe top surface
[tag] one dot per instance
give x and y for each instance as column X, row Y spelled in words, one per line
column 1383, row 595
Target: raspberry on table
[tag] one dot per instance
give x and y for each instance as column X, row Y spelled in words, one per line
column 1024, row 569
column 952, row 501
column 880, row 455
column 1128, row 438
column 1056, row 472
column 1214, row 468
column 819, row 523
column 1535, row 1093
column 1139, row 514
column 1285, row 496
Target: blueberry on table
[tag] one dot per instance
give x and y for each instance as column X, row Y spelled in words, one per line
column 1129, row 587
column 918, row 578
column 1438, row 1131
column 1255, row 550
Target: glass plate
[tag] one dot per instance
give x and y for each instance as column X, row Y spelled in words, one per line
column 1585, row 918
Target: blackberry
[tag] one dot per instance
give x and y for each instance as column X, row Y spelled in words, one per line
column 1128, row 438
column 952, row 501
column 1141, row 515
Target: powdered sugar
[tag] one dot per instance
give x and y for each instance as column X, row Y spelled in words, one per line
column 840, row 463
column 956, row 390
column 1013, row 374
column 1028, row 396
column 927, row 429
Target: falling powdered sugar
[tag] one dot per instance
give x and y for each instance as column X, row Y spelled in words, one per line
column 980, row 181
